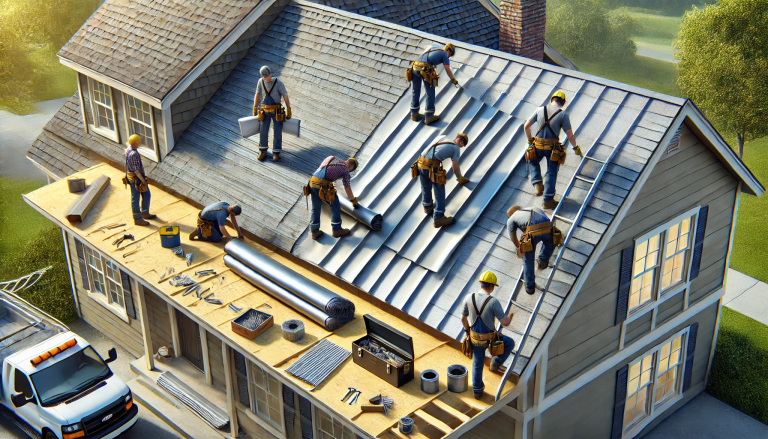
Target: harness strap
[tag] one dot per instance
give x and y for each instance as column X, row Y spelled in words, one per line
column 274, row 83
column 547, row 121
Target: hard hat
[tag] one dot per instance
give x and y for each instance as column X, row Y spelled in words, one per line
column 265, row 71
column 489, row 278
column 559, row 94
column 450, row 47
column 464, row 137
column 354, row 160
column 134, row 140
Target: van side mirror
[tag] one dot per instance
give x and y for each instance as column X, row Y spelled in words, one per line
column 112, row 355
column 19, row 400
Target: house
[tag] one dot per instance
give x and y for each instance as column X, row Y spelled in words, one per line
column 620, row 334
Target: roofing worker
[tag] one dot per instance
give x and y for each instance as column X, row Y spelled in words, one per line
column 266, row 104
column 322, row 187
column 536, row 228
column 432, row 175
column 546, row 143
column 212, row 221
column 138, row 182
column 482, row 330
column 423, row 70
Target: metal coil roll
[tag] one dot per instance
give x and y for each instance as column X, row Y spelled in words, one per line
column 293, row 330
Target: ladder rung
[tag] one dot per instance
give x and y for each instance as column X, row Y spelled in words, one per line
column 594, row 159
column 579, row 177
column 561, row 218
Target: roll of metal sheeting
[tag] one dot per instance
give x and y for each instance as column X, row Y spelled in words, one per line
column 366, row 216
column 322, row 298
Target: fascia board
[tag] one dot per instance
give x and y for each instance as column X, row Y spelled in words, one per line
column 153, row 101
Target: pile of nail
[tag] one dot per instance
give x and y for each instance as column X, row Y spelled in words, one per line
column 252, row 319
column 386, row 355
column 181, row 280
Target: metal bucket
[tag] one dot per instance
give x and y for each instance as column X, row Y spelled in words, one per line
column 405, row 424
column 76, row 185
column 458, row 378
column 429, row 381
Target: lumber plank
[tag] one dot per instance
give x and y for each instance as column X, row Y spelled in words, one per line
column 450, row 410
column 431, row 420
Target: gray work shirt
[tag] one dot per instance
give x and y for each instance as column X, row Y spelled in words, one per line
column 216, row 212
column 278, row 92
column 560, row 121
column 491, row 311
column 442, row 152
column 522, row 219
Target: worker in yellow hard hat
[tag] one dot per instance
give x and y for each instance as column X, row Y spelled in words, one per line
column 432, row 175
column 138, row 181
column 483, row 310
column 537, row 229
column 550, row 120
column 423, row 71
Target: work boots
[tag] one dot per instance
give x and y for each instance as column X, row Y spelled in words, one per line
column 542, row 264
column 140, row 222
column 551, row 204
column 275, row 156
column 431, row 119
column 193, row 235
column 443, row 221
column 417, row 117
column 317, row 234
column 539, row 189
column 338, row 233
column 429, row 210
column 148, row 216
column 531, row 291
column 262, row 156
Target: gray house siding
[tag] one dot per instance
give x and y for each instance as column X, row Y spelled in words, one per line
column 588, row 412
column 691, row 177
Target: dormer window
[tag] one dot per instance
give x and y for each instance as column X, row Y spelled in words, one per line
column 141, row 121
column 103, row 109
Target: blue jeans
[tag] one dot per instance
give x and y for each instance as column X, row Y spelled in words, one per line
column 478, row 357
column 416, row 95
column 135, row 195
column 550, row 179
column 314, row 225
column 426, row 194
column 277, row 137
column 529, row 273
column 215, row 232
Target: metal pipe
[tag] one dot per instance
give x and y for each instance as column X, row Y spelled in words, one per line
column 364, row 215
column 322, row 298
column 458, row 378
column 429, row 381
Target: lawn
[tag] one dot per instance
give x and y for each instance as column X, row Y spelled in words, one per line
column 29, row 242
column 640, row 71
column 739, row 375
column 655, row 27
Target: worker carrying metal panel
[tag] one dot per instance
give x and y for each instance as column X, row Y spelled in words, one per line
column 546, row 143
column 212, row 221
column 322, row 187
column 483, row 310
column 429, row 169
column 537, row 229
column 423, row 71
column 267, row 106
column 136, row 178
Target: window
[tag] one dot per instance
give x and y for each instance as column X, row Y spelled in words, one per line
column 676, row 253
column 140, row 121
column 330, row 428
column 115, row 284
column 95, row 270
column 103, row 112
column 638, row 389
column 671, row 359
column 21, row 384
column 105, row 281
column 644, row 271
column 265, row 396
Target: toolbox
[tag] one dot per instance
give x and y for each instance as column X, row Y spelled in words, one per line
column 388, row 339
column 169, row 237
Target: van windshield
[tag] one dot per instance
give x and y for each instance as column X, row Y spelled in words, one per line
column 69, row 376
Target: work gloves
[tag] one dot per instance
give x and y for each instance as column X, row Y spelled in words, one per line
column 255, row 110
column 462, row 180
column 577, row 151
column 288, row 113
column 455, row 82
column 530, row 142
column 355, row 204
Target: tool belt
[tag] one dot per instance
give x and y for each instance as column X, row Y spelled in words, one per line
column 437, row 173
column 493, row 340
column 427, row 71
column 205, row 226
column 326, row 188
column 131, row 177
column 531, row 231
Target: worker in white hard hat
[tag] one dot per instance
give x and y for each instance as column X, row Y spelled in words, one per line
column 484, row 310
column 267, row 105
column 550, row 120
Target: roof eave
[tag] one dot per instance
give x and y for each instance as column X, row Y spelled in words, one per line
column 125, row 88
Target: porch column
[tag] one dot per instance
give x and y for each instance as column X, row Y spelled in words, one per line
column 230, row 383
column 174, row 330
column 145, row 330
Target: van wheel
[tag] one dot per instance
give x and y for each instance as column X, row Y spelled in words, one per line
column 49, row 435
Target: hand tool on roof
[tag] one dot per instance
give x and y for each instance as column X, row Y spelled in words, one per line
column 376, row 399
column 178, row 251
column 189, row 259
column 203, row 273
column 353, row 399
column 214, row 301
column 105, row 228
column 131, row 252
column 234, row 308
column 120, row 240
column 387, row 403
column 349, row 392
column 191, row 289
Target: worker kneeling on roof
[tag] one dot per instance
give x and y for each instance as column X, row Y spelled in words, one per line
column 267, row 106
column 138, row 181
column 432, row 175
column 483, row 310
column 212, row 221
column 546, row 144
column 537, row 229
column 423, row 71
column 322, row 187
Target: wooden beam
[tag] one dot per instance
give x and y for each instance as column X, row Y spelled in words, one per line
column 206, row 358
column 146, row 333
column 230, row 383
column 433, row 421
column 450, row 410
column 174, row 330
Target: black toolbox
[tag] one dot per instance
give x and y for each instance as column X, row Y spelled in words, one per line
column 391, row 340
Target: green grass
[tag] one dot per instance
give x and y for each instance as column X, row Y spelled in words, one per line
column 739, row 375
column 751, row 238
column 656, row 26
column 29, row 242
column 660, row 76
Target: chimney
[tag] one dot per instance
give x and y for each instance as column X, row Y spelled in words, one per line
column 521, row 27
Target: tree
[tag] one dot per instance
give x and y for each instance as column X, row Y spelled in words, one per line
column 723, row 53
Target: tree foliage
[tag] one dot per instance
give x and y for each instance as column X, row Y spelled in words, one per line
column 590, row 29
column 723, row 54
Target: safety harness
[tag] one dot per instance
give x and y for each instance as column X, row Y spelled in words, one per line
column 558, row 152
column 277, row 109
column 493, row 340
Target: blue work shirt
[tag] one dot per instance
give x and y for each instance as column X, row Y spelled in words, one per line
column 522, row 219
column 435, row 58
column 211, row 213
column 442, row 152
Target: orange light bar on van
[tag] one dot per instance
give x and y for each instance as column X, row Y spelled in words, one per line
column 53, row 352
column 74, row 435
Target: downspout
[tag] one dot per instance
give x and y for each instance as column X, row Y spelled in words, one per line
column 69, row 270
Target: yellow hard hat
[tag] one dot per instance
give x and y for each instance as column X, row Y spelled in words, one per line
column 354, row 160
column 559, row 94
column 450, row 47
column 464, row 137
column 134, row 139
column 489, row 278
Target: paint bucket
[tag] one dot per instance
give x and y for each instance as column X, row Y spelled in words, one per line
column 76, row 185
column 169, row 237
column 458, row 378
column 405, row 424
column 429, row 383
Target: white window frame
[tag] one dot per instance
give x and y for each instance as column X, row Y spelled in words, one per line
column 316, row 412
column 658, row 296
column 105, row 299
column 654, row 409
column 150, row 153
column 113, row 135
column 279, row 425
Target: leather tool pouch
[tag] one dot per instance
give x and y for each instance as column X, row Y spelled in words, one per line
column 260, row 114
column 306, row 191
column 558, row 154
column 280, row 115
column 437, row 175
column 496, row 347
column 530, row 153
column 557, row 236
column 126, row 181
column 204, row 226
column 526, row 243
column 434, row 81
column 466, row 347
column 415, row 169
column 328, row 193
column 409, row 73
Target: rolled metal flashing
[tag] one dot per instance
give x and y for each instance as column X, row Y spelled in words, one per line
column 362, row 214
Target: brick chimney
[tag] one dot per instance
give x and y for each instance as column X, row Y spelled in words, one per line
column 521, row 27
